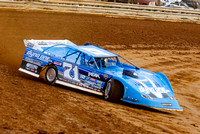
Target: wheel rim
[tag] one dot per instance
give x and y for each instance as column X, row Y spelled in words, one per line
column 107, row 90
column 51, row 74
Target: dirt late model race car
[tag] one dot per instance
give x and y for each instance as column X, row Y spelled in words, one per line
column 96, row 70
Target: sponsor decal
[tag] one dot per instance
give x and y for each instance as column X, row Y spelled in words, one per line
column 77, row 83
column 150, row 86
column 57, row 63
column 97, row 86
column 91, row 88
column 166, row 104
column 92, row 79
column 93, row 75
column 95, row 89
column 31, row 67
column 80, row 84
column 42, row 43
column 33, row 61
column 65, row 80
column 157, row 91
column 48, row 43
column 73, row 82
column 82, row 76
column 93, row 83
column 99, row 82
column 88, row 82
column 84, row 85
column 45, row 58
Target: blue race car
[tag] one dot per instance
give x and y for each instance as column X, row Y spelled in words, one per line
column 96, row 70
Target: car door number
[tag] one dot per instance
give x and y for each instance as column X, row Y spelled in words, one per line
column 68, row 68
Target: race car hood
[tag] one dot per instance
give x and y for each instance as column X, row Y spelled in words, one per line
column 148, row 83
column 145, row 82
column 146, row 88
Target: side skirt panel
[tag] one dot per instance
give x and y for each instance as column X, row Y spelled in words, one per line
column 77, row 87
column 28, row 72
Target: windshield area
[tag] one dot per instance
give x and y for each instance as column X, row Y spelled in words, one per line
column 86, row 60
column 105, row 62
column 119, row 61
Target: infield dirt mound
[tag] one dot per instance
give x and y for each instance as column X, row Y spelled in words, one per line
column 28, row 105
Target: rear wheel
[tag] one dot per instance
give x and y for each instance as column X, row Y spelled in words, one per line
column 113, row 91
column 49, row 74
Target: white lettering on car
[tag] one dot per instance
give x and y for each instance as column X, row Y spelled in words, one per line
column 93, row 75
column 38, row 56
column 157, row 91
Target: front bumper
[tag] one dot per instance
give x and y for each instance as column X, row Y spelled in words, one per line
column 157, row 103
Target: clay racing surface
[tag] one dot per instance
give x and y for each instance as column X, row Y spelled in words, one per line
column 28, row 105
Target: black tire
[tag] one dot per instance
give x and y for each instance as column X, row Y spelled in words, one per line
column 50, row 75
column 114, row 90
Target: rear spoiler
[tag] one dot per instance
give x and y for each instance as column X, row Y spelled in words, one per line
column 39, row 44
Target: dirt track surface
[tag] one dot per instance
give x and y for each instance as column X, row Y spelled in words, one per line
column 28, row 105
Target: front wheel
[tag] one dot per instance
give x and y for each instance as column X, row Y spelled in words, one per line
column 113, row 91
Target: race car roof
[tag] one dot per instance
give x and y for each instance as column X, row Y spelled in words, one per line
column 95, row 51
column 48, row 43
column 91, row 50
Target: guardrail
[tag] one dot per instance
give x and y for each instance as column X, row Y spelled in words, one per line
column 111, row 9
